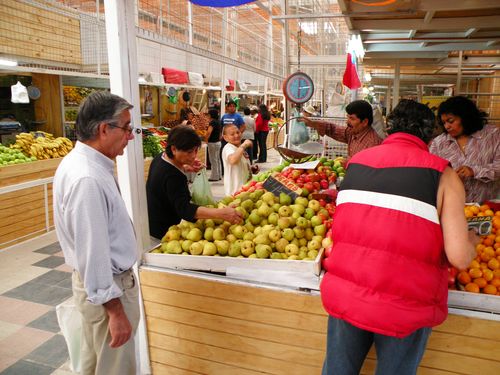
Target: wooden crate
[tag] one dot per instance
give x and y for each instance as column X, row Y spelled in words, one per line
column 211, row 325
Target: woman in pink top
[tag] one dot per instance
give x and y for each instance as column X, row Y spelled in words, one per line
column 471, row 146
column 262, row 130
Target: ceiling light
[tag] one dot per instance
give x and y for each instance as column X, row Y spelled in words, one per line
column 8, row 62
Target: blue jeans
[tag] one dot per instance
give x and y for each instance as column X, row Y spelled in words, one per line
column 347, row 347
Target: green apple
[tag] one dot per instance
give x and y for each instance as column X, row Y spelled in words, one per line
column 298, row 208
column 280, row 245
column 291, row 249
column 209, row 249
column 209, row 234
column 196, row 248
column 314, row 204
column 316, row 220
column 247, row 248
column 186, row 244
column 288, row 234
column 284, row 222
column 285, row 211
column 219, row 234
column 254, row 218
column 234, row 249
column 314, row 245
column 263, row 251
column 222, row 246
column 309, row 213
column 194, row 235
column 274, row 235
column 320, row 230
column 285, row 199
column 273, row 218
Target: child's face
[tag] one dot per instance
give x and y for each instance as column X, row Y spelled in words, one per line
column 232, row 135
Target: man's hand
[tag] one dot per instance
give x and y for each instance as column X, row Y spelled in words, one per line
column 119, row 325
column 464, row 172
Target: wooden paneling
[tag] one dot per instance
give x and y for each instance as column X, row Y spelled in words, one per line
column 27, row 30
column 207, row 326
column 48, row 107
column 15, row 174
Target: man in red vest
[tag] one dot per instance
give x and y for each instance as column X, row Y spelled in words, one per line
column 399, row 222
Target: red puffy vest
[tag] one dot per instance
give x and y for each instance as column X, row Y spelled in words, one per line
column 387, row 272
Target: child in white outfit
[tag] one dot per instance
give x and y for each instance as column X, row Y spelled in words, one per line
column 235, row 160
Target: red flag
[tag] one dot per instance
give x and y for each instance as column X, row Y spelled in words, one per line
column 351, row 78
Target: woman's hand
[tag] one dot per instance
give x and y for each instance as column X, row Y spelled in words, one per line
column 195, row 167
column 464, row 172
column 229, row 214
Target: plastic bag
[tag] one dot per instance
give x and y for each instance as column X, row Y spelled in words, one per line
column 19, row 93
column 298, row 131
column 201, row 192
column 70, row 321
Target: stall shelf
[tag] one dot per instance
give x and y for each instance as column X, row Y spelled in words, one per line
column 211, row 324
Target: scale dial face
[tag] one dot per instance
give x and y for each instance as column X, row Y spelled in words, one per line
column 298, row 88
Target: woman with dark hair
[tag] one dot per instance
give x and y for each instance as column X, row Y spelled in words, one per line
column 169, row 199
column 262, row 130
column 471, row 146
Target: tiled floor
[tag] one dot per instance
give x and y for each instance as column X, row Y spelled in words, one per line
column 33, row 280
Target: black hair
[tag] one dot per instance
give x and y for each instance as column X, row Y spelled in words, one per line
column 183, row 138
column 213, row 113
column 264, row 112
column 413, row 118
column 362, row 109
column 231, row 102
column 246, row 111
column 473, row 119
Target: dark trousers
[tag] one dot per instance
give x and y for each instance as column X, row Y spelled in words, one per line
column 261, row 140
column 250, row 150
column 255, row 148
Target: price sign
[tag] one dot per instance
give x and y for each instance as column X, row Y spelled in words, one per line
column 298, row 88
column 482, row 225
column 279, row 184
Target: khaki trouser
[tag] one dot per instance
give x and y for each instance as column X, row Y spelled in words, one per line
column 97, row 357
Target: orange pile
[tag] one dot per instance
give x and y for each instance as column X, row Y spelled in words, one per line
column 483, row 274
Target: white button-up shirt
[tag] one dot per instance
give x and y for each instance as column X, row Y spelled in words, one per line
column 92, row 223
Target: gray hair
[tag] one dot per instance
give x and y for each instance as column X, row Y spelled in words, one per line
column 99, row 107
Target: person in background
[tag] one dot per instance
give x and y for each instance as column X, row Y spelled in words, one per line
column 214, row 146
column 262, row 130
column 398, row 208
column 237, row 169
column 169, row 199
column 471, row 146
column 97, row 236
column 254, row 111
column 358, row 134
column 231, row 117
column 248, row 131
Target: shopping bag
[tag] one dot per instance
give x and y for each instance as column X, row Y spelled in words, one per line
column 70, row 322
column 201, row 192
column 19, row 93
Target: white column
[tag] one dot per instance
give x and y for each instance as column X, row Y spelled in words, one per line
column 122, row 57
column 395, row 92
column 190, row 23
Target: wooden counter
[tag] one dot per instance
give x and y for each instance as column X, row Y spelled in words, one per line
column 204, row 324
column 27, row 213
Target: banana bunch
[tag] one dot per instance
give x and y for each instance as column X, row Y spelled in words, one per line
column 23, row 143
column 43, row 148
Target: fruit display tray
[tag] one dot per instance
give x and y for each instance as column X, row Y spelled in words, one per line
column 221, row 264
column 473, row 301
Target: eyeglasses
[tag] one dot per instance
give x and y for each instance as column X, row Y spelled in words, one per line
column 129, row 129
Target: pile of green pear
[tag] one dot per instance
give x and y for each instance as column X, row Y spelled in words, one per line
column 273, row 227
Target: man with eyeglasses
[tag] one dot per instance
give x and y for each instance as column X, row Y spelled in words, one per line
column 97, row 236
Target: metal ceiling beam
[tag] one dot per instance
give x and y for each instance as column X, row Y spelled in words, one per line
column 429, row 40
column 457, row 5
column 451, row 23
column 426, row 46
column 366, row 36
